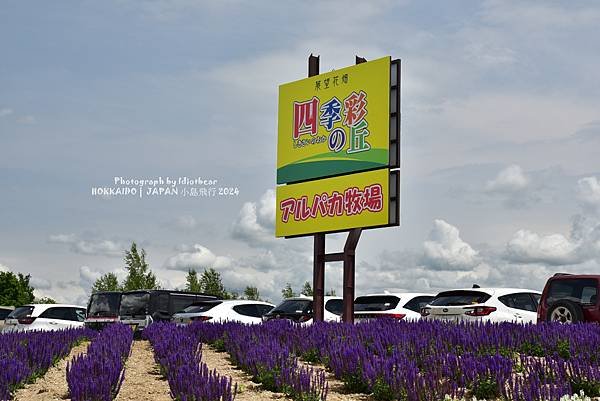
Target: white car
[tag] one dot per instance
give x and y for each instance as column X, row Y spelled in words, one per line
column 405, row 305
column 45, row 317
column 300, row 309
column 484, row 305
column 242, row 311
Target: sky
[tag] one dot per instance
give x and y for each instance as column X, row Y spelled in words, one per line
column 500, row 174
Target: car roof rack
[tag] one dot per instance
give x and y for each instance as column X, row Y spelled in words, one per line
column 561, row 274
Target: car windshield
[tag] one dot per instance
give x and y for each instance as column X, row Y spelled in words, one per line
column 200, row 307
column 20, row 312
column 583, row 291
column 375, row 303
column 135, row 303
column 104, row 304
column 293, row 306
column 459, row 298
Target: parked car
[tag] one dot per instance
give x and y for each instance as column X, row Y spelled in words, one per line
column 406, row 305
column 140, row 308
column 570, row 298
column 484, row 305
column 300, row 309
column 4, row 312
column 45, row 317
column 242, row 311
column 103, row 309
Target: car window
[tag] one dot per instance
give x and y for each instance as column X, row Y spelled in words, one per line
column 4, row 313
column 198, row 307
column 294, row 306
column 247, row 310
column 335, row 306
column 135, row 303
column 522, row 301
column 104, row 304
column 181, row 301
column 459, row 298
column 375, row 303
column 20, row 312
column 536, row 298
column 575, row 290
column 59, row 313
column 417, row 303
column 80, row 314
column 264, row 309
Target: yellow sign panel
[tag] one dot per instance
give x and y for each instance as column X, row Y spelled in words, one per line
column 334, row 123
column 333, row 204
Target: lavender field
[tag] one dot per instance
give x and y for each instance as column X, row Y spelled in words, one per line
column 384, row 360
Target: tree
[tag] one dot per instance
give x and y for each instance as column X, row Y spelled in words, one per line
column 307, row 289
column 252, row 293
column 15, row 289
column 44, row 300
column 107, row 282
column 139, row 275
column 211, row 283
column 287, row 292
column 330, row 293
column 192, row 284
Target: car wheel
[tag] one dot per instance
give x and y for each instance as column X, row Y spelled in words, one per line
column 565, row 312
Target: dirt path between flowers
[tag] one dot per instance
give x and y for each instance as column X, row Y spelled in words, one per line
column 250, row 391
column 53, row 385
column 336, row 387
column 247, row 390
column 143, row 380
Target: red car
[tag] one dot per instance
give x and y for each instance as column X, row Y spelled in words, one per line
column 570, row 298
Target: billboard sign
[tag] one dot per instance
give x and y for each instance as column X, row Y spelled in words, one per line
column 339, row 122
column 367, row 199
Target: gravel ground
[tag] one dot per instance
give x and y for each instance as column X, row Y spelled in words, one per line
column 247, row 390
column 143, row 381
column 336, row 387
column 53, row 386
column 250, row 391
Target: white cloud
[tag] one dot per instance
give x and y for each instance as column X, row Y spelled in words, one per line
column 445, row 250
column 6, row 112
column 553, row 249
column 185, row 222
column 588, row 191
column 4, row 268
column 510, row 179
column 92, row 246
column 197, row 257
column 255, row 223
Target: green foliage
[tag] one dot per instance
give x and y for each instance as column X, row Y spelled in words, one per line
column 312, row 356
column 107, row 282
column 267, row 378
column 383, row 392
column 44, row 300
column 211, row 283
column 307, row 289
column 563, row 347
column 354, row 383
column 252, row 293
column 486, row 389
column 533, row 349
column 191, row 281
column 15, row 289
column 139, row 275
column 287, row 292
column 219, row 345
column 590, row 388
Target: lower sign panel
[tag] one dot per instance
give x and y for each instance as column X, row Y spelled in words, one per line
column 361, row 200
